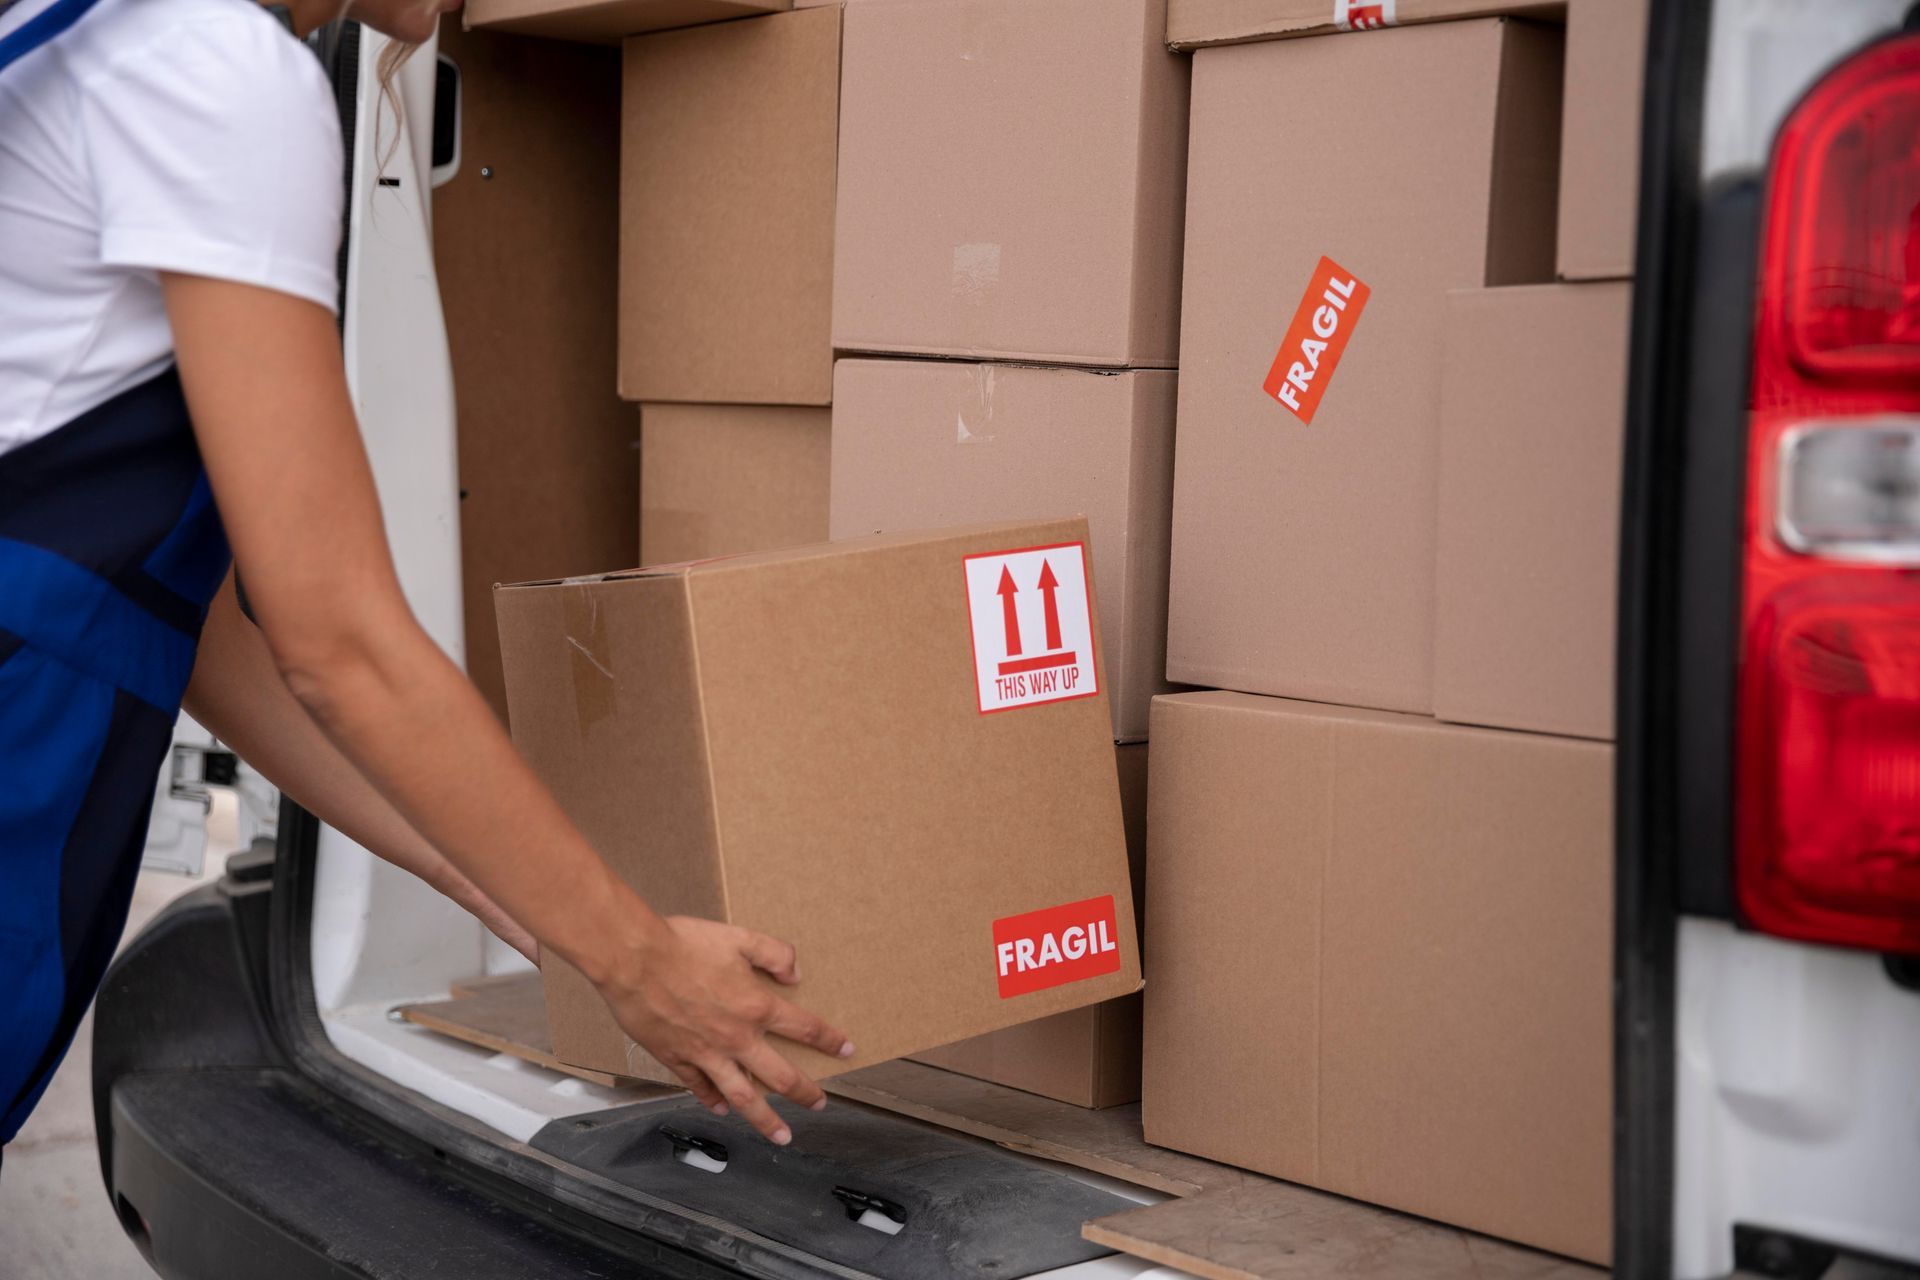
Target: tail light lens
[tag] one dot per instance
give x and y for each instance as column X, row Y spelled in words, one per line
column 1828, row 827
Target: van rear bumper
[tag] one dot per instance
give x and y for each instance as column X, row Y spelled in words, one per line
column 222, row 1158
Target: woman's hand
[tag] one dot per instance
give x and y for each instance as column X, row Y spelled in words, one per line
column 692, row 1001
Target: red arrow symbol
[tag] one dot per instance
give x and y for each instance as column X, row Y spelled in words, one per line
column 1047, row 586
column 1006, row 590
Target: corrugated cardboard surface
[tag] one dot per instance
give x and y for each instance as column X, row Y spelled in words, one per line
column 1303, row 555
column 792, row 741
column 1381, row 960
column 545, row 446
column 726, row 198
column 1010, row 181
column 719, row 480
column 1600, row 146
column 606, row 21
column 1192, row 24
column 1531, row 408
column 1089, row 1057
column 919, row 444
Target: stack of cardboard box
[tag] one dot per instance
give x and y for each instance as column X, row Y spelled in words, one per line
column 1379, row 936
column 726, row 273
column 727, row 144
column 1005, row 309
column 1379, row 850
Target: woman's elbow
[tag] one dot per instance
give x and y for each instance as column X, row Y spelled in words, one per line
column 330, row 665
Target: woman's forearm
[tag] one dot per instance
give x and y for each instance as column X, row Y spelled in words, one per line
column 238, row 694
column 413, row 724
column 276, row 427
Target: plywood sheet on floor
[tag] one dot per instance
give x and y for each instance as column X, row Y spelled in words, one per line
column 509, row 1015
column 1280, row 1231
column 1107, row 1141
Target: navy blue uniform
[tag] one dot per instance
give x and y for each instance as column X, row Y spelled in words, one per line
column 110, row 551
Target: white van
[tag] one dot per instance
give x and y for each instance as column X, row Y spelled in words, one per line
column 260, row 1113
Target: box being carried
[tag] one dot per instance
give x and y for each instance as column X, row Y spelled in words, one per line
column 892, row 752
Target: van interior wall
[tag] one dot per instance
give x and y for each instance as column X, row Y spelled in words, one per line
column 525, row 238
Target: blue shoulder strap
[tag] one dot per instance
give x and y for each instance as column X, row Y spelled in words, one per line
column 40, row 28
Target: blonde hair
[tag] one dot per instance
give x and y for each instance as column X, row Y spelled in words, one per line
column 392, row 58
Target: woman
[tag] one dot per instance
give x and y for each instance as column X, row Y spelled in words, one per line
column 171, row 384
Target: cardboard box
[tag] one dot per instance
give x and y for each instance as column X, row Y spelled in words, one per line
column 1091, row 1056
column 1532, row 409
column 1600, row 130
column 726, row 211
column 606, row 21
column 925, row 443
column 1194, row 24
column 1303, row 553
column 1010, row 181
column 1600, row 138
column 1382, row 960
column 721, row 480
column 817, row 743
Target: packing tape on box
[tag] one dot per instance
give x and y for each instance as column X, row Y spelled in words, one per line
column 981, row 430
column 593, row 686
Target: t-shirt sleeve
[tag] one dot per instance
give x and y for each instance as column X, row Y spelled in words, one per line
column 216, row 152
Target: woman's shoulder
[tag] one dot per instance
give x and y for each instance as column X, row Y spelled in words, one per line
column 237, row 42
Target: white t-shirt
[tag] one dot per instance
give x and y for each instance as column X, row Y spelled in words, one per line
column 194, row 136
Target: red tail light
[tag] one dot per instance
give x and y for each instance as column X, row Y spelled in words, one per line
column 1828, row 827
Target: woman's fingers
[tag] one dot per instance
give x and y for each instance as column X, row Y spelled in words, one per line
column 766, row 1065
column 771, row 956
column 790, row 1021
column 744, row 1098
column 700, row 1087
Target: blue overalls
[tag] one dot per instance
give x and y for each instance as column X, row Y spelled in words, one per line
column 110, row 551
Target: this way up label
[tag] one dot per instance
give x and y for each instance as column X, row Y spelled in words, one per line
column 1032, row 626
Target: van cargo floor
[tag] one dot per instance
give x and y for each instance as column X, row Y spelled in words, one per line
column 871, row 1192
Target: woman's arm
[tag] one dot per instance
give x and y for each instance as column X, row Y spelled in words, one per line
column 238, row 694
column 268, row 393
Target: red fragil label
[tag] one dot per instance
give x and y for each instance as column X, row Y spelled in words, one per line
column 1316, row 338
column 1058, row 945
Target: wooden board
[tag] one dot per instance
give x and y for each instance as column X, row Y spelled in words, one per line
column 486, row 981
column 1107, row 1141
column 1279, row 1231
column 508, row 1014
column 525, row 244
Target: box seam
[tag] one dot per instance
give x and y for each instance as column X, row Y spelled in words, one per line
column 1502, row 87
column 1320, row 943
column 706, row 749
column 1138, row 250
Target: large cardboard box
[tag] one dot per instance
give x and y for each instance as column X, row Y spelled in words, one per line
column 821, row 744
column 1091, row 1056
column 1532, row 409
column 1303, row 512
column 1010, row 181
column 606, row 21
column 1381, row 960
column 726, row 211
column 924, row 443
column 723, row 479
column 1600, row 138
column 1193, row 24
